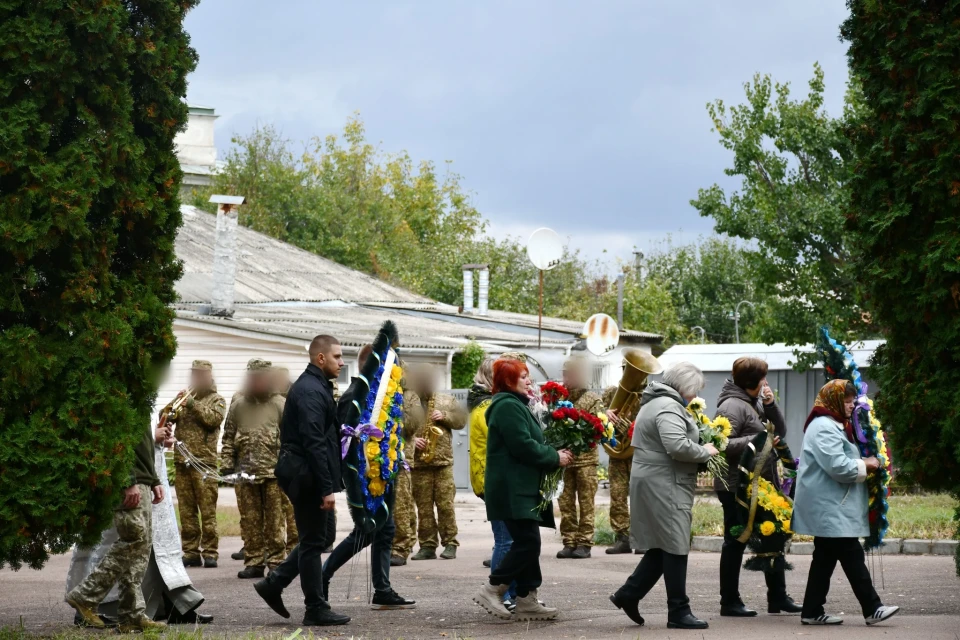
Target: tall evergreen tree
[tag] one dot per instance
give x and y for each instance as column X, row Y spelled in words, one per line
column 91, row 96
column 904, row 221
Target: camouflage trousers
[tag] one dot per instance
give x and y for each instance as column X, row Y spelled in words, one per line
column 125, row 563
column 579, row 489
column 434, row 486
column 197, row 502
column 293, row 538
column 619, row 472
column 404, row 516
column 262, row 523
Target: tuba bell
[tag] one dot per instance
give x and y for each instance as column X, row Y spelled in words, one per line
column 637, row 365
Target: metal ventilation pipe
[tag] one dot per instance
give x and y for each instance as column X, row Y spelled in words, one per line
column 225, row 254
column 467, row 290
column 484, row 291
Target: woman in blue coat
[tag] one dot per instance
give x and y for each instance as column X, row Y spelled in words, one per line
column 831, row 505
column 517, row 460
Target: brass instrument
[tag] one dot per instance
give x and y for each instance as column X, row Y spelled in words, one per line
column 173, row 414
column 637, row 365
column 432, row 435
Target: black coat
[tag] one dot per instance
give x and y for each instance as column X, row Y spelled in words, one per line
column 309, row 464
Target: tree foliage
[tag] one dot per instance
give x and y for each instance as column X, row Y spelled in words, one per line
column 903, row 223
column 793, row 161
column 465, row 364
column 92, row 99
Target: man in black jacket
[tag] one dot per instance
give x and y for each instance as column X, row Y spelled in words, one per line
column 308, row 471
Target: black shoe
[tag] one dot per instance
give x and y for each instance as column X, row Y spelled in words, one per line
column 192, row 562
column 272, row 596
column 737, row 611
column 398, row 561
column 237, row 555
column 190, row 617
column 688, row 621
column 389, row 600
column 250, row 573
column 108, row 622
column 209, row 563
column 487, row 563
column 324, row 618
column 629, row 607
column 784, row 606
column 639, row 552
column 566, row 552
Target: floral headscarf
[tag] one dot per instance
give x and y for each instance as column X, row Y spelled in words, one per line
column 829, row 402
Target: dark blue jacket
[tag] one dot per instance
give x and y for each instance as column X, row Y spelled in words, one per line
column 309, row 464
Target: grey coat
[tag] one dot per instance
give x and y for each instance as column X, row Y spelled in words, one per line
column 831, row 495
column 664, row 475
column 747, row 416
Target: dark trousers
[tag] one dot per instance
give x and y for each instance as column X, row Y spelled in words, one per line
column 382, row 540
column 848, row 552
column 305, row 561
column 656, row 563
column 521, row 564
column 731, row 557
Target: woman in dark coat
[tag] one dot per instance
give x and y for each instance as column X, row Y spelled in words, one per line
column 517, row 460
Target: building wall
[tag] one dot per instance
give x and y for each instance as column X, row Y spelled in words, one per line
column 195, row 144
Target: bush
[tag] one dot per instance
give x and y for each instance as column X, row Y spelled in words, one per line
column 92, row 98
column 465, row 363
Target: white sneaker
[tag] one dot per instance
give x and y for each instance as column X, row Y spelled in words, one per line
column 881, row 614
column 530, row 608
column 491, row 599
column 822, row 620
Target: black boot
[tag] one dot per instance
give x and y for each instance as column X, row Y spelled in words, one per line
column 688, row 621
column 324, row 618
column 566, row 552
column 272, row 596
column 237, row 555
column 622, row 545
column 736, row 610
column 787, row 605
column 630, row 607
column 249, row 573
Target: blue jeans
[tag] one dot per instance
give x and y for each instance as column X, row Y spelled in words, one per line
column 501, row 544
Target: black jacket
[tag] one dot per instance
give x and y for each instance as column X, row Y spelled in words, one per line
column 310, row 438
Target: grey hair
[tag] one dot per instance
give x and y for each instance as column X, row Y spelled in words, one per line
column 685, row 377
column 484, row 377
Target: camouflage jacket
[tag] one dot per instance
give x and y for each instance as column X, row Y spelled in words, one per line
column 591, row 402
column 454, row 417
column 198, row 427
column 251, row 436
column 412, row 424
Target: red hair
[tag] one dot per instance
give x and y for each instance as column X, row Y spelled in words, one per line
column 506, row 374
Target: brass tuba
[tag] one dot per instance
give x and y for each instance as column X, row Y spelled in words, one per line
column 637, row 365
column 432, row 435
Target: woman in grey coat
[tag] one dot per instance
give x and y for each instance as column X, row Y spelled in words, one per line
column 662, row 482
column 831, row 505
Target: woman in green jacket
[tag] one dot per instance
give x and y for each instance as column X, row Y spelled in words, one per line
column 517, row 460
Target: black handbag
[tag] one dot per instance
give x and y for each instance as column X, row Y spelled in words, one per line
column 292, row 475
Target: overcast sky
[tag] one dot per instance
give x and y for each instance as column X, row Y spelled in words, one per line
column 588, row 117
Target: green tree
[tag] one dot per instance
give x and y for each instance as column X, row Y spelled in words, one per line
column 92, row 98
column 794, row 162
column 903, row 223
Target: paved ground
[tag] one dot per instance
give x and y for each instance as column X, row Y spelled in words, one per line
column 926, row 587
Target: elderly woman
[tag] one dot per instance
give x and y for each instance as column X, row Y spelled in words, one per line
column 831, row 505
column 662, row 481
column 517, row 460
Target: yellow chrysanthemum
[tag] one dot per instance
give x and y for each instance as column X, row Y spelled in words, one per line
column 372, row 449
column 767, row 528
column 376, row 487
column 392, row 455
column 397, row 373
column 373, row 471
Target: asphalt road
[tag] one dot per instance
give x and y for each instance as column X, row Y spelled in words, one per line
column 925, row 587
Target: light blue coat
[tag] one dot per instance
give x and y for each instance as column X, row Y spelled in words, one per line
column 831, row 499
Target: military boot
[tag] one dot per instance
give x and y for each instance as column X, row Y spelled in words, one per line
column 237, row 555
column 425, row 553
column 530, row 608
column 250, row 573
column 89, row 617
column 449, row 552
column 142, row 624
column 566, row 552
column 398, row 561
column 581, row 552
column 622, row 545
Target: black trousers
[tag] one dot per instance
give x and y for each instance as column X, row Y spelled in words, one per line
column 382, row 540
column 731, row 557
column 522, row 562
column 657, row 563
column 848, row 552
column 313, row 525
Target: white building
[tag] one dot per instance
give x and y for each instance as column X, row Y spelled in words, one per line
column 196, row 149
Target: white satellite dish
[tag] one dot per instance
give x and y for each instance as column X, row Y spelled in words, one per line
column 545, row 248
column 602, row 334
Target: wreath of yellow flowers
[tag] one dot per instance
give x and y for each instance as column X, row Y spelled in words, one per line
column 772, row 500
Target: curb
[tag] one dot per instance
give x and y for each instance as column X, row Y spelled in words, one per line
column 891, row 546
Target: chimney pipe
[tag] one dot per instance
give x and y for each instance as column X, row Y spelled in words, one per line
column 467, row 290
column 484, row 291
column 225, row 254
column 620, row 283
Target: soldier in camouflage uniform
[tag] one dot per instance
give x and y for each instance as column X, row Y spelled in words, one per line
column 404, row 510
column 433, row 484
column 126, row 562
column 198, row 428
column 580, row 477
column 618, row 471
column 281, row 384
column 251, row 445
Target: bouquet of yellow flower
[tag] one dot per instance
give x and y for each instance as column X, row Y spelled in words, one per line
column 715, row 432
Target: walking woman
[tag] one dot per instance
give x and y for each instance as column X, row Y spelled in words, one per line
column 831, row 505
column 748, row 402
column 517, row 460
column 662, row 481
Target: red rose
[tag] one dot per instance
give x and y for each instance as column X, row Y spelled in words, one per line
column 593, row 445
column 557, row 414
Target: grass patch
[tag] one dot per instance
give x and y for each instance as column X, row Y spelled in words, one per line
column 228, row 523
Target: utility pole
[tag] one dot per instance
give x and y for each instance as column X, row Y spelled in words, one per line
column 736, row 317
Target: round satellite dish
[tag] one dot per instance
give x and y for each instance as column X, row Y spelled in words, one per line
column 602, row 334
column 545, row 249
